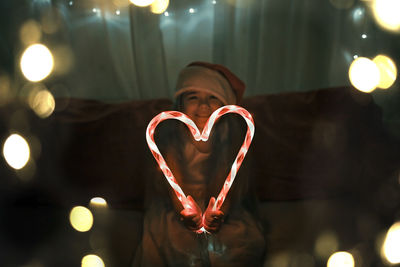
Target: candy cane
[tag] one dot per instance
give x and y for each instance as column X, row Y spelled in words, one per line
column 201, row 137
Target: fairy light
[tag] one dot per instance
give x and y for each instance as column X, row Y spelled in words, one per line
column 16, row 151
column 98, row 201
column 159, row 6
column 142, row 3
column 92, row 260
column 201, row 137
column 364, row 74
column 36, row 62
column 341, row 259
column 81, row 219
column 42, row 102
column 386, row 14
column 391, row 245
column 387, row 69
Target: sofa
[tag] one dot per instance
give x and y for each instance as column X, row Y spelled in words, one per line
column 324, row 168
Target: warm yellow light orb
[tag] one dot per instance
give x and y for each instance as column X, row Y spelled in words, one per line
column 364, row 74
column 98, row 201
column 341, row 259
column 386, row 13
column 42, row 102
column 16, row 151
column 92, row 260
column 159, row 6
column 81, row 219
column 387, row 70
column 391, row 245
column 30, row 32
column 142, row 3
column 326, row 244
column 36, row 62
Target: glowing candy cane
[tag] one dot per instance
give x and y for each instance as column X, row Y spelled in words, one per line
column 201, row 137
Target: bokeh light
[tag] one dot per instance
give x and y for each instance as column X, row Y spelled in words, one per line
column 42, row 103
column 326, row 244
column 120, row 3
column 387, row 70
column 36, row 62
column 98, row 201
column 5, row 89
column 341, row 259
column 92, row 260
column 64, row 59
column 142, row 3
column 159, row 6
column 342, row 4
column 16, row 151
column 386, row 14
column 364, row 74
column 30, row 32
column 391, row 245
column 81, row 219
column 51, row 20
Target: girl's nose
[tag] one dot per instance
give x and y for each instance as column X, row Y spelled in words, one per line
column 204, row 103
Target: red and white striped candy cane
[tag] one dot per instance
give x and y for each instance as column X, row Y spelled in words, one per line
column 201, row 137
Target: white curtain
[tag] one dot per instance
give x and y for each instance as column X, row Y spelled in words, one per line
column 123, row 52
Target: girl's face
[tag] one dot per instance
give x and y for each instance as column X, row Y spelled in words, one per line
column 199, row 106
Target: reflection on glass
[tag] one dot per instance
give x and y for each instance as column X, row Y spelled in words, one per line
column 81, row 219
column 92, row 260
column 341, row 259
column 364, row 74
column 142, row 3
column 386, row 13
column 391, row 245
column 16, row 151
column 159, row 6
column 36, row 62
column 387, row 70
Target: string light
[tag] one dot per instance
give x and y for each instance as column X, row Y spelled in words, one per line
column 142, row 3
column 92, row 260
column 341, row 259
column 159, row 6
column 363, row 36
column 36, row 62
column 81, row 219
column 386, row 14
column 387, row 70
column 364, row 74
column 98, row 201
column 391, row 245
column 16, row 151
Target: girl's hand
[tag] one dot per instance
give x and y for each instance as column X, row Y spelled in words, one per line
column 192, row 217
column 212, row 218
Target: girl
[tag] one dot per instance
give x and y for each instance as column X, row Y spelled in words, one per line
column 170, row 235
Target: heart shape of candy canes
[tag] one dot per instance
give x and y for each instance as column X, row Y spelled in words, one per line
column 201, row 137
